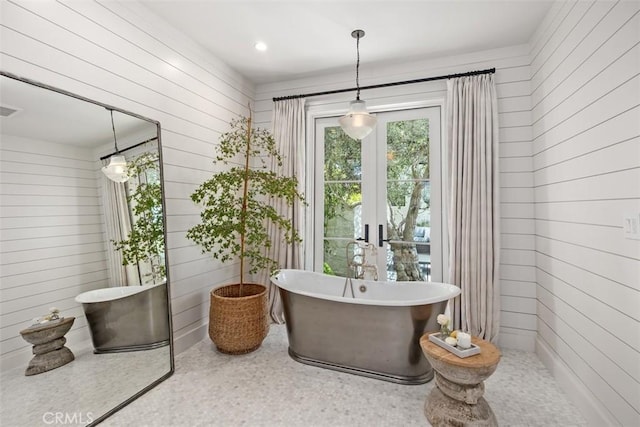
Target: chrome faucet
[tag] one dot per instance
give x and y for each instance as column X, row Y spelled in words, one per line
column 358, row 265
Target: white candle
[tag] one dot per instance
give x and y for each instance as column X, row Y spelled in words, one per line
column 451, row 341
column 464, row 340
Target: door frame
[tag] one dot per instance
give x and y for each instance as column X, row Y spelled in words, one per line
column 435, row 160
column 317, row 110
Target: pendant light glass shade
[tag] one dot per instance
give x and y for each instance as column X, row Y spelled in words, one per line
column 357, row 123
column 117, row 169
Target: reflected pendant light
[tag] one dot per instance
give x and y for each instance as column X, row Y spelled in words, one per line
column 357, row 123
column 117, row 168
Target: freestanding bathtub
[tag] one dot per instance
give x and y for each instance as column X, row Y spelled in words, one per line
column 127, row 318
column 376, row 333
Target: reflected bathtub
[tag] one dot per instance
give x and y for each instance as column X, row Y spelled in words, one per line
column 127, row 318
column 375, row 334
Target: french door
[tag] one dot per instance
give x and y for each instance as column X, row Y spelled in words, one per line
column 379, row 200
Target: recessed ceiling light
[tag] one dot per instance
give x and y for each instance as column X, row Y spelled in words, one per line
column 261, row 46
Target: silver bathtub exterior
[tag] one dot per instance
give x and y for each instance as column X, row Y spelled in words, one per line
column 380, row 342
column 135, row 322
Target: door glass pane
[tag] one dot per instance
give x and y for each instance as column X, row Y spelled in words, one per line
column 408, row 200
column 342, row 198
column 342, row 213
column 335, row 257
column 342, row 159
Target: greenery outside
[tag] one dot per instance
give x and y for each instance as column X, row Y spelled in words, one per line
column 407, row 193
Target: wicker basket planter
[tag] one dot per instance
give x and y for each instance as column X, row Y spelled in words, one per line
column 237, row 223
column 238, row 325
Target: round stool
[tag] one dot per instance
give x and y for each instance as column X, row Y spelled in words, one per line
column 48, row 345
column 457, row 397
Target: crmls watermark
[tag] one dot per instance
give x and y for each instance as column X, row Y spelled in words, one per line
column 53, row 418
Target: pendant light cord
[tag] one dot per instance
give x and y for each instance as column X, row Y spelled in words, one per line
column 358, row 68
column 115, row 141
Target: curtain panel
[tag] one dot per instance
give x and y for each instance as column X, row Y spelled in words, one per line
column 289, row 132
column 118, row 225
column 474, row 216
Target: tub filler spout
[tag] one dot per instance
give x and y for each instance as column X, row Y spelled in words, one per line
column 357, row 264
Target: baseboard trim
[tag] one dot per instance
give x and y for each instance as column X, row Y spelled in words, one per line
column 189, row 339
column 516, row 342
column 20, row 359
column 593, row 411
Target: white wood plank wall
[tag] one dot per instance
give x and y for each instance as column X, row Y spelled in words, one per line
column 586, row 168
column 52, row 243
column 569, row 150
column 518, row 291
column 120, row 54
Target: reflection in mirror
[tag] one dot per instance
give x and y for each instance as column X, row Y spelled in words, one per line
column 139, row 231
column 84, row 309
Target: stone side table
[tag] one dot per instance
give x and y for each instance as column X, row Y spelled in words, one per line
column 48, row 345
column 457, row 397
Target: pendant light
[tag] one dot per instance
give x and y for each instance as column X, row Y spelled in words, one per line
column 117, row 168
column 357, row 123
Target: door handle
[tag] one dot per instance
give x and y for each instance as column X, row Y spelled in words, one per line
column 380, row 239
column 366, row 234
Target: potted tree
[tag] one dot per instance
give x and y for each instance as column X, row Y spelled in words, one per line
column 236, row 212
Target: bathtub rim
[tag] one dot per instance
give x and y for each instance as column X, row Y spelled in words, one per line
column 451, row 291
column 112, row 293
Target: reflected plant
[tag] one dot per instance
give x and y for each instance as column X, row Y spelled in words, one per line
column 145, row 242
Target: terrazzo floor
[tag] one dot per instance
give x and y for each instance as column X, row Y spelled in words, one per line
column 268, row 388
column 78, row 392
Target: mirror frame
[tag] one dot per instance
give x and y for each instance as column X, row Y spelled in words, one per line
column 164, row 219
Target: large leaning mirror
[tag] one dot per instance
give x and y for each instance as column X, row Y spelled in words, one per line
column 85, row 318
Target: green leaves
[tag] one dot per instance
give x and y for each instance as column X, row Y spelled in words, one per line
column 145, row 242
column 237, row 203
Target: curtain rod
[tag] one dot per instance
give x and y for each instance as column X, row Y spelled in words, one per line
column 129, row 148
column 406, row 82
